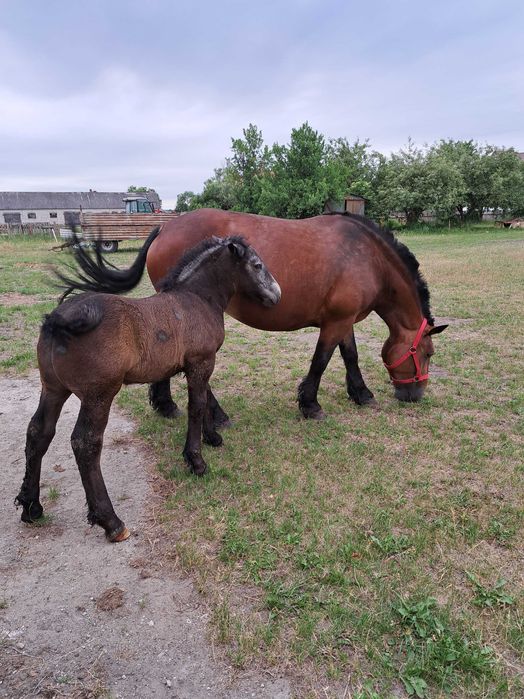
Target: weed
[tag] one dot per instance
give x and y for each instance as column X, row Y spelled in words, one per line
column 490, row 597
column 53, row 494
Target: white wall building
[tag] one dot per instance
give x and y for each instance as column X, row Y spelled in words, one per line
column 60, row 208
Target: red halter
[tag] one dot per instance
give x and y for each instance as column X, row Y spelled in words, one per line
column 411, row 352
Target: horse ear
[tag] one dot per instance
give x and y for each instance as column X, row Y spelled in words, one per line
column 437, row 329
column 236, row 249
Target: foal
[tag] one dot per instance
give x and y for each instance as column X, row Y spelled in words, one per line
column 93, row 343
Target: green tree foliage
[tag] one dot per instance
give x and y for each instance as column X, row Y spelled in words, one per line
column 248, row 165
column 138, row 190
column 298, row 182
column 454, row 180
column 355, row 168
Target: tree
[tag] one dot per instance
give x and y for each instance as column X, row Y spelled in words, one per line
column 247, row 165
column 355, row 167
column 184, row 201
column 297, row 183
column 406, row 183
column 138, row 190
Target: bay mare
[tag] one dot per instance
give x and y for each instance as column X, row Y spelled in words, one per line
column 94, row 342
column 333, row 271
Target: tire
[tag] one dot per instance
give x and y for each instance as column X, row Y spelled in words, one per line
column 108, row 246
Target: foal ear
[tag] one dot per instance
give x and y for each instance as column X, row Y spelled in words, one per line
column 237, row 249
column 437, row 329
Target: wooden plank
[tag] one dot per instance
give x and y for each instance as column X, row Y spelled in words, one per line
column 121, row 226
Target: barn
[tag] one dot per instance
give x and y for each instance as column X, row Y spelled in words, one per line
column 47, row 209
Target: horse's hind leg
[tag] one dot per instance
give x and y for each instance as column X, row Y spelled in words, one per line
column 210, row 434
column 356, row 387
column 86, row 440
column 220, row 418
column 308, row 388
column 161, row 400
column 40, row 432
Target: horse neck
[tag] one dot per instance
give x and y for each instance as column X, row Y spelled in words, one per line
column 212, row 283
column 399, row 306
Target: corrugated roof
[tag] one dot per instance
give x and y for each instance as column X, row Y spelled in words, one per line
column 19, row 201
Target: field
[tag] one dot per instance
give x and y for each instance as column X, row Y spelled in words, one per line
column 378, row 553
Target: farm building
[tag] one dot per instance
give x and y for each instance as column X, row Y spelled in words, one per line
column 60, row 208
column 350, row 204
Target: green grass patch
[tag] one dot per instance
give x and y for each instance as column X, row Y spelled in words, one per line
column 340, row 548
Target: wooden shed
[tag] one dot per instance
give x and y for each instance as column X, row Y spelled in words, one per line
column 354, row 204
column 351, row 203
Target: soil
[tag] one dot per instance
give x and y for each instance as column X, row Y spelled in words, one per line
column 82, row 618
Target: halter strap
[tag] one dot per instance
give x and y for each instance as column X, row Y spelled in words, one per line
column 411, row 352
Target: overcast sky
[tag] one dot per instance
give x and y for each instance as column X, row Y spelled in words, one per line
column 108, row 93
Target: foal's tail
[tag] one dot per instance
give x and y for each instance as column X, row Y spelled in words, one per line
column 101, row 276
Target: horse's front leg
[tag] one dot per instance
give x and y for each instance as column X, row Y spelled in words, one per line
column 356, row 387
column 161, row 400
column 40, row 432
column 86, row 440
column 308, row 388
column 197, row 375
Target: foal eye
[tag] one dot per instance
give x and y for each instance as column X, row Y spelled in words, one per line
column 257, row 265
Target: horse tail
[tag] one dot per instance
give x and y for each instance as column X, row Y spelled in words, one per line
column 76, row 317
column 101, row 276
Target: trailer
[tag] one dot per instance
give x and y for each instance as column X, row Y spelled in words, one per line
column 136, row 223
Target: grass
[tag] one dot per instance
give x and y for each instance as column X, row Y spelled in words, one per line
column 376, row 551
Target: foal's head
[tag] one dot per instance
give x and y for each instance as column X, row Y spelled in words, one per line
column 226, row 266
column 253, row 278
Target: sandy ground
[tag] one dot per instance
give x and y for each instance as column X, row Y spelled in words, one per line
column 80, row 617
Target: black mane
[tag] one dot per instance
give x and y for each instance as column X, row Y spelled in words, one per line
column 172, row 278
column 407, row 257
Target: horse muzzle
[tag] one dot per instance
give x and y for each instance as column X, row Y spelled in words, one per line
column 409, row 392
column 272, row 295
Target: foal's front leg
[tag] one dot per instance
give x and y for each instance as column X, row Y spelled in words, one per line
column 86, row 440
column 197, row 375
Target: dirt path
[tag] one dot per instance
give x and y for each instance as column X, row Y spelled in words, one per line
column 83, row 618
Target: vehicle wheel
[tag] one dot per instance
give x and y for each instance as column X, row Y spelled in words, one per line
column 108, row 245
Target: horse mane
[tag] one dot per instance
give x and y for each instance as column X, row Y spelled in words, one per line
column 193, row 258
column 408, row 259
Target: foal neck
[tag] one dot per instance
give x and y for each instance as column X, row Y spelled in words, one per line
column 213, row 282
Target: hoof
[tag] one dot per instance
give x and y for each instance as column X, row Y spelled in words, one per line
column 32, row 512
column 369, row 402
column 213, row 439
column 120, row 535
column 170, row 412
column 198, row 470
column 313, row 413
column 196, row 463
column 223, row 423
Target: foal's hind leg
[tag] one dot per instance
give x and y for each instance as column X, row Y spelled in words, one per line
column 161, row 400
column 86, row 440
column 40, row 432
column 197, row 375
column 356, row 387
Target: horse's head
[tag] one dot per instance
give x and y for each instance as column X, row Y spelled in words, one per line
column 253, row 278
column 408, row 361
